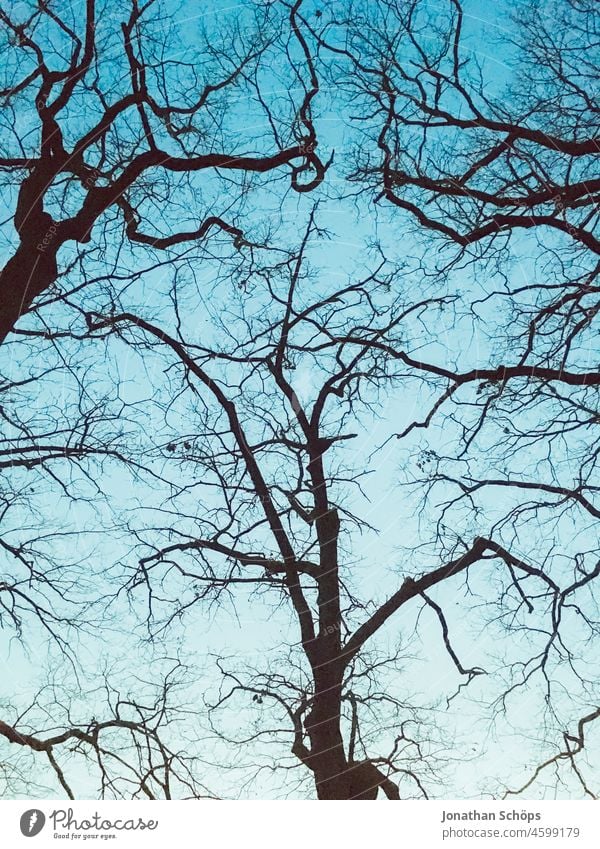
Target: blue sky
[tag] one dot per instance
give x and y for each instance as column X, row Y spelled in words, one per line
column 250, row 631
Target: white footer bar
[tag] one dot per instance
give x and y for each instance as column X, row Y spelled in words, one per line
column 300, row 825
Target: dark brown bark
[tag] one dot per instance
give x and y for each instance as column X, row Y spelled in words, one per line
column 33, row 267
column 327, row 758
column 28, row 273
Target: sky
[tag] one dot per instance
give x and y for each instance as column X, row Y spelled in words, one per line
column 135, row 384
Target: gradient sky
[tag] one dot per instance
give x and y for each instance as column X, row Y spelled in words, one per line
column 250, row 633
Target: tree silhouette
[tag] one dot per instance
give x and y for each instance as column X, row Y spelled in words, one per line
column 127, row 753
column 381, row 435
column 273, row 465
column 148, row 121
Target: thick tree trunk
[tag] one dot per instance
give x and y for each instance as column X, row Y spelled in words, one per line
column 327, row 757
column 335, row 776
column 32, row 268
column 25, row 276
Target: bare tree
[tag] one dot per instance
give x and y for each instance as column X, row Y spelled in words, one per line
column 494, row 159
column 477, row 150
column 257, row 424
column 272, row 466
column 128, row 753
column 103, row 116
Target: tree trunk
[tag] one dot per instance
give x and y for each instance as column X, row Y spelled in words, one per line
column 29, row 272
column 327, row 757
